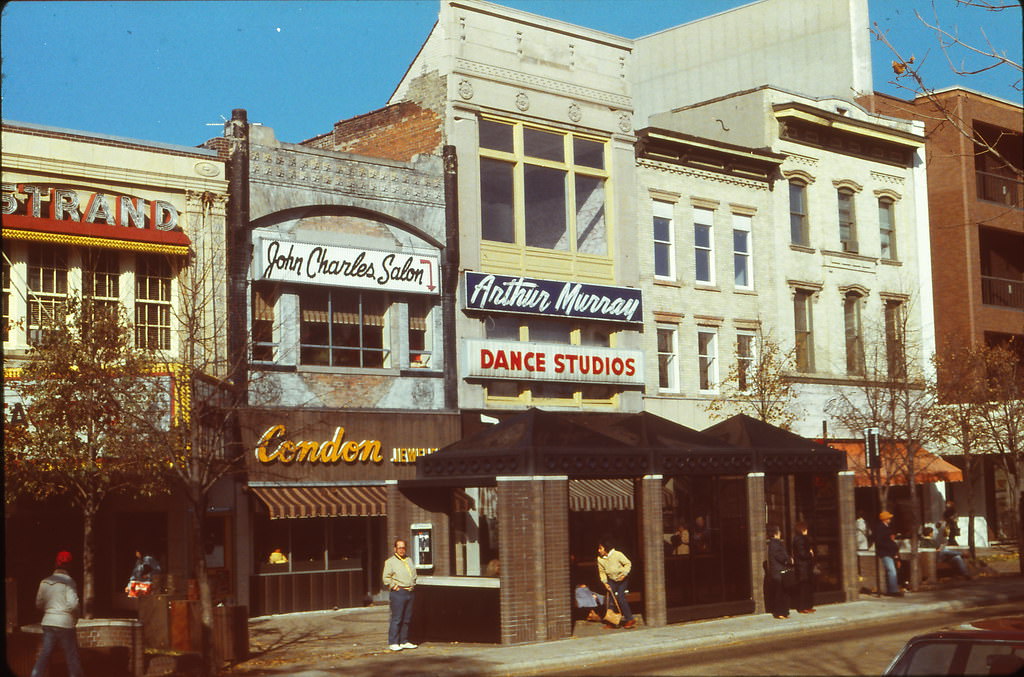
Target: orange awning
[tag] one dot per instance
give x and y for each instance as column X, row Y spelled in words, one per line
column 322, row 501
column 893, row 471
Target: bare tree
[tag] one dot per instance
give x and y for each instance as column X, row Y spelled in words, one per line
column 1001, row 426
column 965, row 59
column 759, row 382
column 895, row 397
column 961, row 391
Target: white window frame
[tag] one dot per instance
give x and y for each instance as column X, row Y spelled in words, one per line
column 743, row 373
column 803, row 313
column 707, row 360
column 848, row 221
column 853, row 325
column 887, row 211
column 668, row 360
column 743, row 223
column 801, row 214
column 703, row 217
column 664, row 210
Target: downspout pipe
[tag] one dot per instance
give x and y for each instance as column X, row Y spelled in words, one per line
column 450, row 277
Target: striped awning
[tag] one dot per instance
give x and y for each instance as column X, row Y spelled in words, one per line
column 320, row 501
column 593, row 495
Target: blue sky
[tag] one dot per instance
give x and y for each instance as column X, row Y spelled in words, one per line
column 161, row 71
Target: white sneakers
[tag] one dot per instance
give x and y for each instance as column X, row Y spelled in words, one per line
column 408, row 645
column 399, row 647
column 395, row 647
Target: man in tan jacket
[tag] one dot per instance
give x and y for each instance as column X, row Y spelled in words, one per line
column 400, row 578
column 613, row 567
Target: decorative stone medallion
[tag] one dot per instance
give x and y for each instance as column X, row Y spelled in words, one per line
column 206, row 169
column 522, row 101
column 624, row 122
column 575, row 113
column 466, row 89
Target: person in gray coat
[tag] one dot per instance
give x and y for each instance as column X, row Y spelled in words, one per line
column 57, row 598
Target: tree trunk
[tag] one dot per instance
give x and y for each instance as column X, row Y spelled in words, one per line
column 88, row 565
column 210, row 662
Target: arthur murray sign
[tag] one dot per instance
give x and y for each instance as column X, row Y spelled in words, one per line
column 554, row 298
column 288, row 261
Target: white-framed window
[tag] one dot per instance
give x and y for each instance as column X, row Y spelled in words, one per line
column 803, row 326
column 707, row 358
column 542, row 187
column 668, row 358
column 742, row 251
column 343, row 328
column 847, row 220
column 47, row 288
column 101, row 277
column 799, row 233
column 152, row 302
column 852, row 302
column 703, row 245
column 746, row 358
column 887, row 228
column 664, row 249
column 895, row 350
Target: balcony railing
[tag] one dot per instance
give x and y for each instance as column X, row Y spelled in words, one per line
column 1002, row 189
column 1000, row 291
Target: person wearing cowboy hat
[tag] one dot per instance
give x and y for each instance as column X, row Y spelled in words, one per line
column 887, row 550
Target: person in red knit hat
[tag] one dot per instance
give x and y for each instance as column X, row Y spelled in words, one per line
column 57, row 598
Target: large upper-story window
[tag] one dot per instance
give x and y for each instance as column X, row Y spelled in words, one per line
column 887, row 228
column 664, row 249
column 742, row 254
column 703, row 245
column 803, row 327
column 854, row 333
column 707, row 358
column 343, row 328
column 542, row 188
column 746, row 359
column 153, row 302
column 101, row 276
column 420, row 335
column 47, row 287
column 895, row 352
column 847, row 220
column 5, row 276
column 668, row 363
column 799, row 233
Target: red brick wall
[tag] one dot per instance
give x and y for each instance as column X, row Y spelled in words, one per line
column 396, row 132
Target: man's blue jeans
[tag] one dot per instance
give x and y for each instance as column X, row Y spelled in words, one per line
column 68, row 641
column 957, row 560
column 619, row 590
column 889, row 564
column 401, row 616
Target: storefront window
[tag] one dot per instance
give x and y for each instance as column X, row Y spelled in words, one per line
column 311, row 544
column 706, row 540
column 420, row 335
column 812, row 499
column 153, row 303
column 474, row 528
column 264, row 347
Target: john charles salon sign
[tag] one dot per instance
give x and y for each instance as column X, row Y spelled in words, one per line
column 504, row 293
column 288, row 261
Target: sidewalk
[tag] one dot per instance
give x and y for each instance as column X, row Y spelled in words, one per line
column 352, row 641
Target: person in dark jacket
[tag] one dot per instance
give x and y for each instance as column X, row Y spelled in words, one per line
column 57, row 598
column 777, row 598
column 803, row 558
column 888, row 551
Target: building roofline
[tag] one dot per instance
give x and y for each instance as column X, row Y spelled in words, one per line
column 87, row 136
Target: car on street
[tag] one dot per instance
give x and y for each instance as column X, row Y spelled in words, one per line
column 993, row 646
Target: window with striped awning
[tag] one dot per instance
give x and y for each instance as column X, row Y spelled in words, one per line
column 289, row 502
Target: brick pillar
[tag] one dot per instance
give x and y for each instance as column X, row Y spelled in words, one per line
column 555, row 579
column 758, row 537
column 431, row 506
column 649, row 499
column 847, row 534
column 520, row 542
